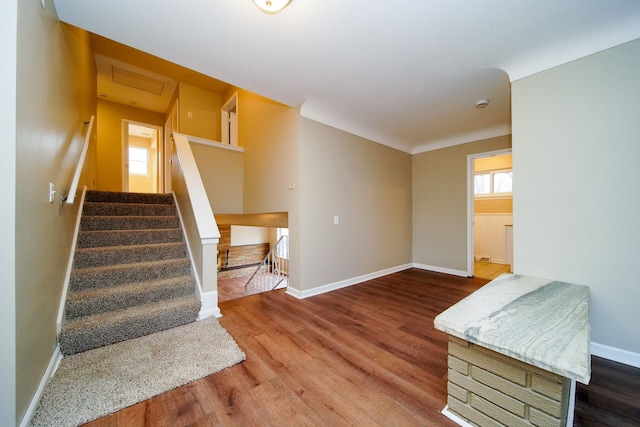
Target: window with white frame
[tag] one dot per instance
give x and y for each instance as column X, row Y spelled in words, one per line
column 493, row 183
column 138, row 161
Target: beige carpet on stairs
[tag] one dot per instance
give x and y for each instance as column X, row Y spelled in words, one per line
column 98, row 382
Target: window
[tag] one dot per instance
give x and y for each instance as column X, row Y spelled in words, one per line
column 138, row 161
column 502, row 182
column 493, row 183
column 482, row 183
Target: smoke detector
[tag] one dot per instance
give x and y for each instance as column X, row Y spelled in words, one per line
column 482, row 103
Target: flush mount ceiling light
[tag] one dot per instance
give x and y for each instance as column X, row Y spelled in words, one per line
column 271, row 6
column 482, row 103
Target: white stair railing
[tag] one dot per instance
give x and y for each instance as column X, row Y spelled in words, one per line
column 272, row 272
column 71, row 195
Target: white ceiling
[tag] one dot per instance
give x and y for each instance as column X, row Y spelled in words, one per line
column 406, row 74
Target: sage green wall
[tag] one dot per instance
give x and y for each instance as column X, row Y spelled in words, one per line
column 56, row 84
column 8, row 45
column 221, row 171
column 109, row 142
column 440, row 203
column 368, row 186
column 576, row 146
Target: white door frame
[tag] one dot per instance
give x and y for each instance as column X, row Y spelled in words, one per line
column 470, row 201
column 228, row 117
column 125, row 153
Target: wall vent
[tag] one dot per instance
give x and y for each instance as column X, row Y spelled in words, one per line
column 137, row 81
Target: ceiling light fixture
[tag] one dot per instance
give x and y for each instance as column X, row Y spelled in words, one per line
column 481, row 103
column 271, row 6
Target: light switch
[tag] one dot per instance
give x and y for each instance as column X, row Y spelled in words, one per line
column 336, row 220
column 52, row 192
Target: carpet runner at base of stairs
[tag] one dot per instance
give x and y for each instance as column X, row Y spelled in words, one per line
column 131, row 273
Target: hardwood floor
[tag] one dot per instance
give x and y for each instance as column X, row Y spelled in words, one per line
column 612, row 397
column 231, row 288
column 234, row 288
column 366, row 355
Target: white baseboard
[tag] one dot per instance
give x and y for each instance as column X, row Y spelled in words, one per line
column 453, row 417
column 209, row 305
column 440, row 269
column 293, row 292
column 344, row 283
column 56, row 357
column 615, row 354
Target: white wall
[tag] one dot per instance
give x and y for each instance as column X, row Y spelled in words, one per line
column 490, row 236
column 243, row 235
column 8, row 26
column 576, row 152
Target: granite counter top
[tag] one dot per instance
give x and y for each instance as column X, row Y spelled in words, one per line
column 540, row 322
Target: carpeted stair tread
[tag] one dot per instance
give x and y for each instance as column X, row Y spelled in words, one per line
column 95, row 301
column 98, row 238
column 108, row 222
column 104, row 276
column 117, row 197
column 131, row 275
column 101, row 256
column 89, row 332
column 128, row 209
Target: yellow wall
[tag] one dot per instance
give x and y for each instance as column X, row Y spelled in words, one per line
column 221, row 171
column 56, row 92
column 109, row 152
column 492, row 163
column 269, row 133
column 493, row 205
column 199, row 112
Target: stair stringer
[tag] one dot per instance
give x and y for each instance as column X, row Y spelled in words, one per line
column 67, row 279
column 208, row 300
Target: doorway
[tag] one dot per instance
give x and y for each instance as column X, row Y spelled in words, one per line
column 490, row 214
column 229, row 121
column 142, row 158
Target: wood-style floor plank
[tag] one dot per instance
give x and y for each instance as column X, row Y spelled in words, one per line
column 363, row 355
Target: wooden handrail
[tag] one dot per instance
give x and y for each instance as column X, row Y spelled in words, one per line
column 71, row 195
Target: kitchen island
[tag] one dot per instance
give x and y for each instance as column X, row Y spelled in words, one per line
column 516, row 347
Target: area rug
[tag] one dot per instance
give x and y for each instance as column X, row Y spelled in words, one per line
column 98, row 382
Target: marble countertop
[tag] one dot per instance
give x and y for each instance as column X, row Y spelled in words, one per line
column 540, row 322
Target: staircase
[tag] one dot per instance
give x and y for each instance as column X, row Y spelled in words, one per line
column 131, row 274
column 272, row 273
